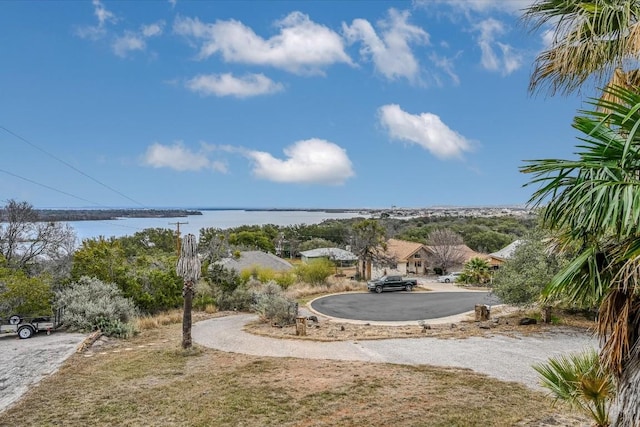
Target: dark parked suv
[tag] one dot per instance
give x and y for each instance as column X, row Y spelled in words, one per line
column 392, row 283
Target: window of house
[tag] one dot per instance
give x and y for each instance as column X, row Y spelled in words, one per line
column 418, row 263
column 416, row 255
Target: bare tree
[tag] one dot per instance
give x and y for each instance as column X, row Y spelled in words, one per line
column 25, row 240
column 445, row 247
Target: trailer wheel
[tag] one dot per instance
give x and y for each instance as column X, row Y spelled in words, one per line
column 14, row 320
column 25, row 332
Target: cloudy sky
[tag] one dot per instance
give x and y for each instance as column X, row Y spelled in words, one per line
column 301, row 104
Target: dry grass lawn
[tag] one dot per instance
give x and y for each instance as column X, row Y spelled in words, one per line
column 149, row 381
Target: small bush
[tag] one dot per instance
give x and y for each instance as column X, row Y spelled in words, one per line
column 285, row 280
column 91, row 304
column 239, row 299
column 272, row 306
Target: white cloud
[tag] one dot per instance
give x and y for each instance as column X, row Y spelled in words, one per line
column 136, row 41
column 446, row 65
column 389, row 51
column 177, row 157
column 301, row 47
column 104, row 16
column 229, row 85
column 219, row 166
column 312, row 161
column 425, row 130
column 547, row 37
column 102, row 13
column 506, row 60
column 152, row 30
column 173, row 3
column 128, row 42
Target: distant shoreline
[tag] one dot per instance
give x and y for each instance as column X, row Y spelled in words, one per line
column 56, row 215
column 73, row 214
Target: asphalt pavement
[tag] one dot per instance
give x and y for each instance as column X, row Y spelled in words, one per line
column 400, row 306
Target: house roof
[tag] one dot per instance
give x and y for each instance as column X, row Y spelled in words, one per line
column 332, row 253
column 506, row 252
column 249, row 259
column 464, row 250
column 402, row 249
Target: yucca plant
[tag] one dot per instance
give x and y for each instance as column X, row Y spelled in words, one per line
column 581, row 381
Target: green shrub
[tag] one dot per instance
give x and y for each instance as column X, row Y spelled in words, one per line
column 240, row 299
column 315, row 272
column 91, row 304
column 285, row 279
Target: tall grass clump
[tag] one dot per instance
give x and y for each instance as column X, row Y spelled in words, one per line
column 91, row 304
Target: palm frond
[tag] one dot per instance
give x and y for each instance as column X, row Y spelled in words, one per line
column 592, row 38
column 581, row 381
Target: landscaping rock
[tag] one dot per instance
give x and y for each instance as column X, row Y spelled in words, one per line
column 528, row 321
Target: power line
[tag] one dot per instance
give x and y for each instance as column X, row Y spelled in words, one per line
column 70, row 166
column 51, row 188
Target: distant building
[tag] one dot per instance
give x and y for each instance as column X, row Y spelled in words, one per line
column 251, row 259
column 340, row 257
column 496, row 259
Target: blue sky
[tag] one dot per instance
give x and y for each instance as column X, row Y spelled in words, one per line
column 287, row 104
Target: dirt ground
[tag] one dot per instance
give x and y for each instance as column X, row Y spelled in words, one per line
column 155, row 385
column 504, row 321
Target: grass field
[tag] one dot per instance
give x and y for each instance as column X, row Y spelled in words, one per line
column 149, row 381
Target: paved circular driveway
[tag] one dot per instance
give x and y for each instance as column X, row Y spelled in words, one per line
column 400, row 306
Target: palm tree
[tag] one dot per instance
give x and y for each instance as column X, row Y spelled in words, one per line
column 592, row 38
column 476, row 270
column 580, row 380
column 594, row 206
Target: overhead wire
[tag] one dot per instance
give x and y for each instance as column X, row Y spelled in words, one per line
column 69, row 165
column 53, row 156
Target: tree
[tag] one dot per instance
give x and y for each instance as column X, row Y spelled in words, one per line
column 521, row 279
column 315, row 243
column 369, row 243
column 594, row 206
column 24, row 295
column 24, row 240
column 444, row 245
column 592, row 39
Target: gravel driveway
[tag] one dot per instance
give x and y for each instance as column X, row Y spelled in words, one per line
column 501, row 357
column 25, row 362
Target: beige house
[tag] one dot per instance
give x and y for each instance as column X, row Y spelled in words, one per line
column 404, row 258
column 415, row 258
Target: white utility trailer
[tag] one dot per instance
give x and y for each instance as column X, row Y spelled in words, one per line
column 25, row 327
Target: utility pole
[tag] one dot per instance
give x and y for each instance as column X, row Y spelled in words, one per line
column 177, row 224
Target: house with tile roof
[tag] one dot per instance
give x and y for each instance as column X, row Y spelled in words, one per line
column 402, row 258
column 251, row 259
column 416, row 258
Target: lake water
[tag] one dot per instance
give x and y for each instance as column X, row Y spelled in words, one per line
column 192, row 224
